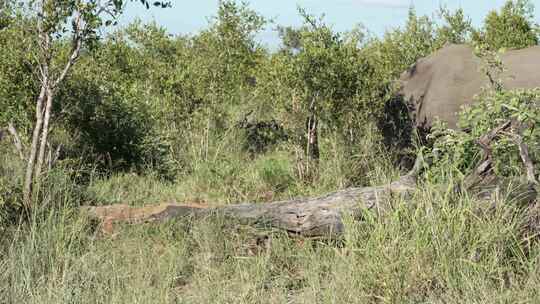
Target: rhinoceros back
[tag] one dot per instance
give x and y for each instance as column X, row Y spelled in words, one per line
column 439, row 85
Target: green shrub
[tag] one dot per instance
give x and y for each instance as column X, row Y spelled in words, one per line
column 261, row 135
column 18, row 86
column 59, row 188
column 457, row 151
column 512, row 27
column 276, row 173
column 11, row 177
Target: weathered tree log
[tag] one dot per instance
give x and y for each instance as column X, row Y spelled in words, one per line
column 321, row 216
column 311, row 217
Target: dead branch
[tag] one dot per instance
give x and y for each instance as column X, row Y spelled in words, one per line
column 318, row 216
column 16, row 140
column 52, row 158
column 483, row 174
column 524, row 153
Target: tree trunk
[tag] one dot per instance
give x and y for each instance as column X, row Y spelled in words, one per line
column 312, row 139
column 309, row 217
column 44, row 136
column 32, row 154
column 45, row 46
column 312, row 124
column 48, row 86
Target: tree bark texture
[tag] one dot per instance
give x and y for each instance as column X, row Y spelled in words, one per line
column 319, row 216
column 312, row 124
column 44, row 135
column 32, row 153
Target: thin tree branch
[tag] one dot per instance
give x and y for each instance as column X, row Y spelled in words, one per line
column 75, row 51
column 16, row 140
column 56, row 155
column 484, row 171
column 485, row 140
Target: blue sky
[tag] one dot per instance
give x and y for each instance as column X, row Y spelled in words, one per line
column 377, row 15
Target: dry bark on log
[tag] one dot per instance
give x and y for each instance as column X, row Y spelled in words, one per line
column 310, row 217
column 320, row 216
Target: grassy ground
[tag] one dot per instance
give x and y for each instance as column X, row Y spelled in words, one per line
column 439, row 251
column 442, row 249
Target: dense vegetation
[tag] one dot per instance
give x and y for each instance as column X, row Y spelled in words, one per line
column 215, row 118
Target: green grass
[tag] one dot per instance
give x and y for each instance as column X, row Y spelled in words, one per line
column 441, row 250
column 232, row 176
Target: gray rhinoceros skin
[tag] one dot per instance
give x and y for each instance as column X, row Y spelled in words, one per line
column 439, row 85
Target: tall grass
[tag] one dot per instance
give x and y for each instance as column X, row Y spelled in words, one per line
column 442, row 249
column 230, row 174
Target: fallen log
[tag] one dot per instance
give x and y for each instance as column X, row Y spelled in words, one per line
column 324, row 215
column 309, row 217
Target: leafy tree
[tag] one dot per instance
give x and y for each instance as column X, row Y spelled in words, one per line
column 512, row 27
column 17, row 82
column 5, row 14
column 107, row 108
column 290, row 37
column 456, row 27
column 455, row 153
column 227, row 53
column 316, row 79
column 54, row 21
column 218, row 74
column 401, row 48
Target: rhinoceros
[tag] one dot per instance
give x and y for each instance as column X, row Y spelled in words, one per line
column 439, row 85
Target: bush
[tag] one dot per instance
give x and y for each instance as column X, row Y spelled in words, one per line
column 18, row 86
column 276, row 173
column 58, row 189
column 106, row 113
column 11, row 170
column 458, row 151
column 261, row 135
column 512, row 27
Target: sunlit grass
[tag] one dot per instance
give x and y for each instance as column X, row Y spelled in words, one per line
column 442, row 249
